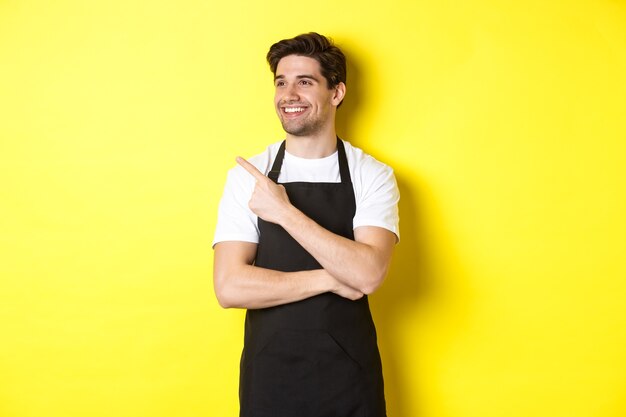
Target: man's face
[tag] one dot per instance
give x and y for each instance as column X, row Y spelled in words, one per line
column 304, row 104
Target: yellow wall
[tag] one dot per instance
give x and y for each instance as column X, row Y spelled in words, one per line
column 504, row 122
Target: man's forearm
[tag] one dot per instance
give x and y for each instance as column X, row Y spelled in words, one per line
column 356, row 264
column 248, row 286
column 238, row 283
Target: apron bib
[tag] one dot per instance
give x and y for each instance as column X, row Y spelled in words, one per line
column 317, row 357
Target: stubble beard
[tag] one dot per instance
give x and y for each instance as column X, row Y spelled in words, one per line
column 304, row 127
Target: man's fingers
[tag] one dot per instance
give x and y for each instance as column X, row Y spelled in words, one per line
column 250, row 168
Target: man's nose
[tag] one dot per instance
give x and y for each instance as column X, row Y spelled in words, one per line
column 291, row 94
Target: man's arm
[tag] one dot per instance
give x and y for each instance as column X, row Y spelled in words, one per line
column 361, row 264
column 240, row 284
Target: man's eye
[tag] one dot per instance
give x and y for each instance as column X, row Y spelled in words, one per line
column 305, row 82
column 279, row 84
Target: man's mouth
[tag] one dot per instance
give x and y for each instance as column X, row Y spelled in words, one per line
column 295, row 110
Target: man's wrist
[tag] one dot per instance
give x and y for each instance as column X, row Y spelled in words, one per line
column 290, row 216
column 325, row 281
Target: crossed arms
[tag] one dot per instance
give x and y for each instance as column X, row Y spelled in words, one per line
column 351, row 268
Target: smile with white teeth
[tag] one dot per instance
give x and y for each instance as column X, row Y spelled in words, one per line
column 294, row 109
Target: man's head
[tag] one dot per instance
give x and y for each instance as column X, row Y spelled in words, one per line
column 332, row 61
column 309, row 76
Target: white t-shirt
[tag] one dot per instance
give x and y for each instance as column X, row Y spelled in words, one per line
column 375, row 190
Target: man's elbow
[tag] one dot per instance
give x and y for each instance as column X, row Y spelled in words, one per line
column 374, row 272
column 223, row 293
column 370, row 288
column 373, row 282
column 223, row 300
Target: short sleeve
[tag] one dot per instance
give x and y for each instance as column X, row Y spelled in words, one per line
column 377, row 204
column 235, row 220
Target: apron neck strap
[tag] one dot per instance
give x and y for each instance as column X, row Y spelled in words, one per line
column 344, row 171
column 278, row 163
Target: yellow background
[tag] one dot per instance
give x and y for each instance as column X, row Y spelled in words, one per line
column 504, row 121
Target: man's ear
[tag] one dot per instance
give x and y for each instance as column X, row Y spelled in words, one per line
column 339, row 94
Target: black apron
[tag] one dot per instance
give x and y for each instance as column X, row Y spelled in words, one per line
column 317, row 357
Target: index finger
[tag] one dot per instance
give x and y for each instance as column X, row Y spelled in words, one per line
column 251, row 169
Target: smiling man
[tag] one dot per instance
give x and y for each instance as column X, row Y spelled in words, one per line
column 305, row 232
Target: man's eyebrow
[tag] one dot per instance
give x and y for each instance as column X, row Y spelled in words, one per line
column 307, row 76
column 299, row 77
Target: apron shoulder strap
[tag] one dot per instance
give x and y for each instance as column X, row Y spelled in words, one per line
column 278, row 163
column 344, row 170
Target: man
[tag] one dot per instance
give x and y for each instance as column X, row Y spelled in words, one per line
column 301, row 248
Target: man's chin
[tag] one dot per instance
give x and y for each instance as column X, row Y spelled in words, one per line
column 306, row 129
column 297, row 130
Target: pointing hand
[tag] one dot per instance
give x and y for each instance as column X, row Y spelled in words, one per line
column 269, row 200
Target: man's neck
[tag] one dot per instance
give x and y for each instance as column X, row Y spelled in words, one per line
column 312, row 147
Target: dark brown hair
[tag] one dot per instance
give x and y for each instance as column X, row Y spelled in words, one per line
column 322, row 49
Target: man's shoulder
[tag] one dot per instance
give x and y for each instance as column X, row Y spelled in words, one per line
column 359, row 160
